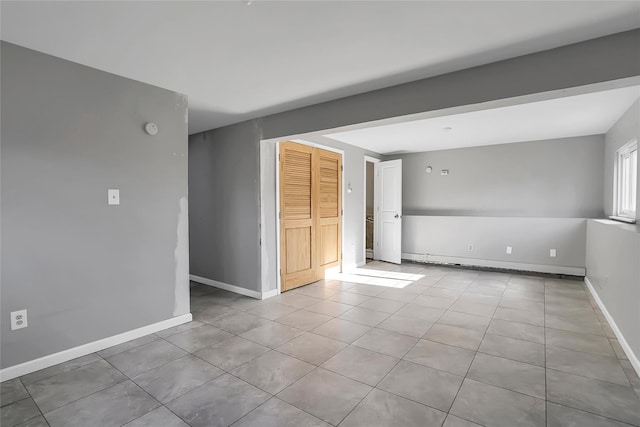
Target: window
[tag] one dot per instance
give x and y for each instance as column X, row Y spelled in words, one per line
column 626, row 180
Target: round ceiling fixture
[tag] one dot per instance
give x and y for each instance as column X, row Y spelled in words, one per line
column 151, row 128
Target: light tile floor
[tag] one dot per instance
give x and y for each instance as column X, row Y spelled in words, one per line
column 408, row 345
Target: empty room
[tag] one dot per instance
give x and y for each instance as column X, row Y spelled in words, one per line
column 319, row 213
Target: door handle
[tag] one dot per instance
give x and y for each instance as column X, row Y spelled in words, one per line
column 397, row 216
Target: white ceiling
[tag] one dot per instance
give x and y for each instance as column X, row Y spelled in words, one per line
column 238, row 61
column 588, row 114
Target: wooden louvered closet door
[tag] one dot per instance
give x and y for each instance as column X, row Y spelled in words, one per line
column 310, row 213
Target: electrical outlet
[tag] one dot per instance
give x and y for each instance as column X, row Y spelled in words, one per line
column 509, row 249
column 470, row 247
column 552, row 253
column 18, row 319
column 113, row 196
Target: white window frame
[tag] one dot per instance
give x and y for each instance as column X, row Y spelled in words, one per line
column 625, row 181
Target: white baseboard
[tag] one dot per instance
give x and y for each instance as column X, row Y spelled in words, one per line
column 82, row 350
column 473, row 262
column 269, row 294
column 226, row 286
column 623, row 342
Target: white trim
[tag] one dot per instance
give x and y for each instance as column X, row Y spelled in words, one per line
column 226, row 286
column 278, row 264
column 472, row 262
column 271, row 293
column 364, row 235
column 633, row 359
column 84, row 349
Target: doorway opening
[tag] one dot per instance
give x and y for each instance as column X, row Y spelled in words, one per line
column 369, row 211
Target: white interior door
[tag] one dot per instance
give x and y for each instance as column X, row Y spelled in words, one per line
column 388, row 215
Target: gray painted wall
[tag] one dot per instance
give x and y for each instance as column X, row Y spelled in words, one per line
column 224, row 190
column 625, row 129
column 554, row 178
column 530, row 238
column 85, row 270
column 369, row 188
column 613, row 251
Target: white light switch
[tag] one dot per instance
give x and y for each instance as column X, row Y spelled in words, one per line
column 552, row 253
column 114, row 196
column 509, row 249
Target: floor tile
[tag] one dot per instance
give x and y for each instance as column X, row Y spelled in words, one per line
column 453, row 335
column 428, row 386
column 617, row 348
column 59, row 368
column 515, row 376
column 341, row 330
column 385, row 342
column 364, row 316
column 514, row 349
column 380, row 408
column 434, row 302
column 113, row 406
column 276, row 413
column 348, row 298
column 602, row 368
column 317, row 292
column 420, row 312
column 177, row 377
column 329, row 308
column 38, row 421
column 453, row 421
column 239, row 322
column 520, row 304
column 231, row 353
column 360, row 364
column 12, row 391
column 325, row 395
column 112, row 351
column 523, row 294
column 339, row 285
column 295, row 300
column 180, row 328
column 401, row 295
column 521, row 316
column 516, row 330
column 312, row 348
column 469, row 297
column 442, row 292
column 574, row 324
column 212, row 312
column 272, row 335
column 218, row 403
column 145, row 358
column 198, row 338
column 600, row 397
column 368, row 290
column 272, row 310
column 56, row 391
column 444, row 357
column 303, row 319
column 406, row 325
column 463, row 320
column 158, row 417
column 494, row 406
column 579, row 342
column 563, row 416
column 384, row 305
column 18, row 412
column 273, row 371
column 473, row 308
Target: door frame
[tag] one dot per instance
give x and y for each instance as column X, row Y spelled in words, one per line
column 368, row 159
column 277, row 166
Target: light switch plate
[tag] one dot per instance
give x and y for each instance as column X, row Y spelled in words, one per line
column 552, row 253
column 113, row 196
